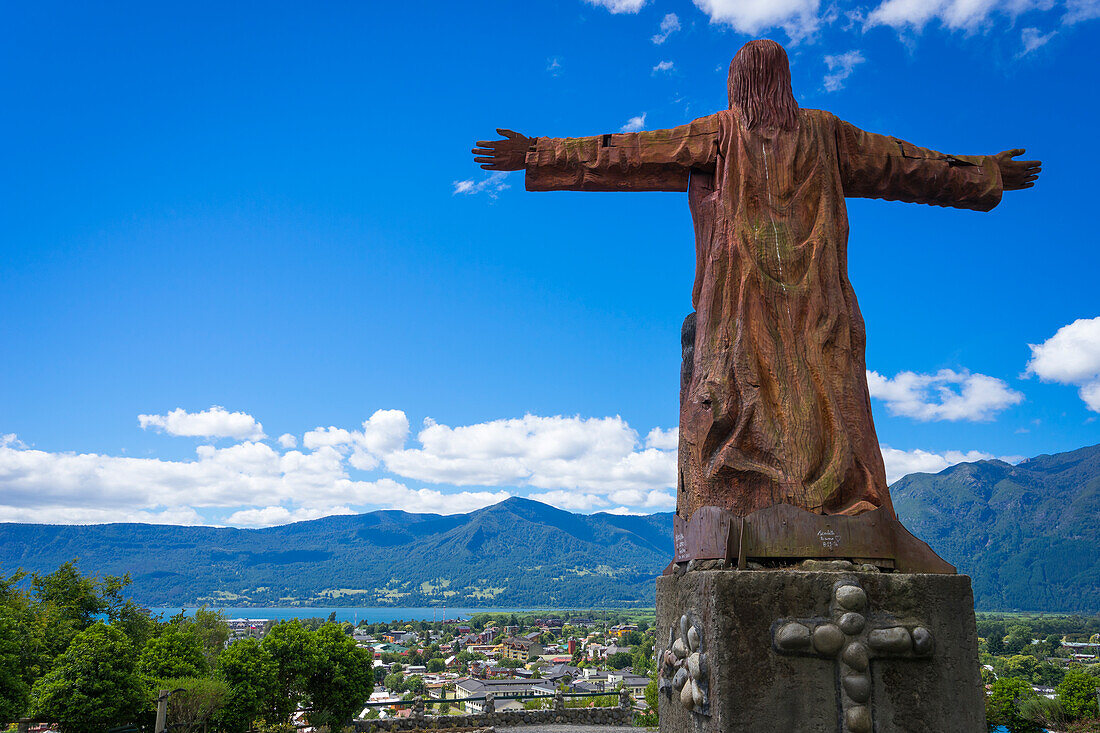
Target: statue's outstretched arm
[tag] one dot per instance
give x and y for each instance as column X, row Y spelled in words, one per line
column 880, row 166
column 656, row 160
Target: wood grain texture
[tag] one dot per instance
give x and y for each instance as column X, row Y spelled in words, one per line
column 775, row 407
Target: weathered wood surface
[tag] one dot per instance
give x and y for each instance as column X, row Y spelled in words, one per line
column 775, row 407
column 787, row 532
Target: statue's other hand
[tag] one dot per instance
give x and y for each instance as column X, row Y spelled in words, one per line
column 1017, row 174
column 508, row 154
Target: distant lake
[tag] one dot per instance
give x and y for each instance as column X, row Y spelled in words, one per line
column 354, row 614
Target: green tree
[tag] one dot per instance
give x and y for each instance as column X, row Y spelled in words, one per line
column 1077, row 693
column 175, row 652
column 342, row 679
column 14, row 686
column 651, row 692
column 1044, row 712
column 1002, row 706
column 294, row 649
column 213, row 631
column 1049, row 674
column 620, row 660
column 642, row 660
column 123, row 613
column 194, row 703
column 22, row 647
column 394, row 682
column 68, row 603
column 94, row 684
column 436, row 665
column 1020, row 666
column 248, row 671
column 995, row 639
column 1019, row 638
column 415, row 684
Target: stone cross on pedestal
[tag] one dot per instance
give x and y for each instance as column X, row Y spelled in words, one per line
column 852, row 641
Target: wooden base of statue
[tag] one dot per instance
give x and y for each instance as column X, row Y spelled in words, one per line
column 787, row 533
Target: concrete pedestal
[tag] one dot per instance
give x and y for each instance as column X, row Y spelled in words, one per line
column 767, row 651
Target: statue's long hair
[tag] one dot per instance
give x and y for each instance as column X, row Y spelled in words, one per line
column 760, row 86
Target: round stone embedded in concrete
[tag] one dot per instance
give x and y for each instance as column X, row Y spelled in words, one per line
column 855, row 656
column 679, row 648
column 693, row 639
column 828, row 639
column 922, row 641
column 895, row 640
column 858, row 719
column 851, row 597
column 687, row 698
column 851, row 623
column 792, row 636
column 858, row 687
column 684, row 625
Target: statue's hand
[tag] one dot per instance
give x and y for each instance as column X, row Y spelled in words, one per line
column 1017, row 174
column 508, row 154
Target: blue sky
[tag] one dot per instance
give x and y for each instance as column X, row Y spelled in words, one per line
column 259, row 225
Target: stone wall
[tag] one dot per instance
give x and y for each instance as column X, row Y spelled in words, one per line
column 818, row 652
column 621, row 715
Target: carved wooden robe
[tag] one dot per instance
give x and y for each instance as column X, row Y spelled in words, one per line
column 775, row 407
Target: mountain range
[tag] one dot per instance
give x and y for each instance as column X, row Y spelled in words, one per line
column 1028, row 535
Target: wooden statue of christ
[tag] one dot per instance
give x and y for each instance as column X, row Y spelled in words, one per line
column 775, row 407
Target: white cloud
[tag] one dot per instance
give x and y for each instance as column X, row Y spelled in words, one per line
column 663, row 439
column 1079, row 10
column 217, row 422
column 841, row 67
column 492, row 184
column 89, row 488
column 661, row 66
column 383, row 432
column 945, row 395
column 649, row 499
column 1033, row 38
column 634, row 124
column 619, row 6
column 953, row 14
column 1071, row 356
column 90, row 515
column 579, row 464
column 597, row 455
column 571, row 500
column 272, row 515
column 900, row 463
column 799, row 18
column 669, row 25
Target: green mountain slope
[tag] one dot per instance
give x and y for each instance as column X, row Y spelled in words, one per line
column 1028, row 535
column 518, row 552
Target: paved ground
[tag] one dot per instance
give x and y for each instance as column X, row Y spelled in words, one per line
column 566, row 728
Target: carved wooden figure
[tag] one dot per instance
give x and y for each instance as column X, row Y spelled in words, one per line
column 775, row 407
